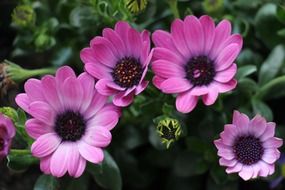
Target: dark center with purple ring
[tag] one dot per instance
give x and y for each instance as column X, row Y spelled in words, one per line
column 248, row 149
column 2, row 143
column 200, row 70
column 70, row 126
column 127, row 72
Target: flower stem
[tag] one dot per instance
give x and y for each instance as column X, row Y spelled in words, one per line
column 174, row 8
column 20, row 151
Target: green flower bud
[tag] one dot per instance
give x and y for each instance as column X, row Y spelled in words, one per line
column 43, row 41
column 23, row 15
column 136, row 6
column 9, row 112
column 169, row 130
column 213, row 6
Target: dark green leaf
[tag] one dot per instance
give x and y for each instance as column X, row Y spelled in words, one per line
column 46, row 182
column 272, row 65
column 20, row 162
column 261, row 108
column 273, row 89
column 107, row 174
column 245, row 71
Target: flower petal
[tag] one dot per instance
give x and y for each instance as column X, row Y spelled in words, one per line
column 103, row 87
column 166, row 69
column 211, row 97
column 208, row 26
column 51, row 93
column 88, row 86
column 36, row 128
column 257, row 125
column 241, row 121
column 269, row 131
column 175, row 85
column 45, row 145
column 179, row 39
column 226, row 75
column 185, row 102
column 72, row 93
column 246, row 172
column 134, row 43
column 90, row 153
column 234, row 169
column 60, row 159
column 98, row 70
column 271, row 155
column 42, row 111
column 97, row 103
column 98, row 136
column 273, row 142
column 116, row 40
column 45, row 165
column 227, row 57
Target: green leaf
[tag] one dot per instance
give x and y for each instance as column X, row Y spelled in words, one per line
column 272, row 65
column 107, row 174
column 273, row 89
column 62, row 56
column 261, row 108
column 20, row 160
column 46, row 182
column 281, row 13
column 281, row 32
column 247, row 86
column 245, row 71
column 265, row 17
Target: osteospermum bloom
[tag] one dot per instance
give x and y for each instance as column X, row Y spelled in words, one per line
column 71, row 121
column 195, row 59
column 119, row 61
column 7, row 132
column 249, row 146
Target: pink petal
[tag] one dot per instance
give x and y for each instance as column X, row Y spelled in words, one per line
column 185, row 102
column 116, row 40
column 90, row 153
column 229, row 163
column 36, row 128
column 97, row 103
column 246, row 173
column 63, row 73
column 45, row 165
column 226, row 75
column 163, row 39
column 87, row 55
column 195, row 35
column 271, row 155
column 34, row 89
column 157, row 81
column 222, row 32
column 104, row 54
column 256, row 168
column 211, row 97
column 229, row 134
column 72, row 93
column 123, row 100
column 73, row 160
column 199, row 90
column 60, row 159
column 107, row 117
column 241, row 121
column 141, row 87
column 88, row 86
column 23, row 101
column 103, row 87
column 45, row 145
column 208, row 26
column 166, row 69
column 225, row 87
column 122, row 29
column 234, row 169
column 50, row 92
column 101, row 41
column 179, row 39
column 99, row 71
column 227, row 57
column 168, row 55
column 97, row 136
column 264, row 169
column 269, row 131
column 257, row 125
column 273, row 142
column 222, row 147
column 81, row 167
column 175, row 85
column 42, row 111
column 134, row 42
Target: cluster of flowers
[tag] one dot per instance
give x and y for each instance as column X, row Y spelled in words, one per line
column 72, row 116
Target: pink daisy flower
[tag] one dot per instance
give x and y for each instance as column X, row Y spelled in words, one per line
column 71, row 121
column 195, row 59
column 249, row 146
column 119, row 61
column 7, row 132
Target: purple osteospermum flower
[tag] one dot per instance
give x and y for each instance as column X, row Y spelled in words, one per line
column 71, row 121
column 119, row 61
column 7, row 132
column 249, row 146
column 195, row 59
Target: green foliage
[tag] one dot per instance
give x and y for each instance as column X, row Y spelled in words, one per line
column 46, row 182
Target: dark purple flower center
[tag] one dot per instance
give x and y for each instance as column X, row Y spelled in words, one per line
column 70, row 126
column 248, row 149
column 2, row 143
column 127, row 72
column 200, row 70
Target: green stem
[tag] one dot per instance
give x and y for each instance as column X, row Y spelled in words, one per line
column 20, row 151
column 174, row 8
column 40, row 72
